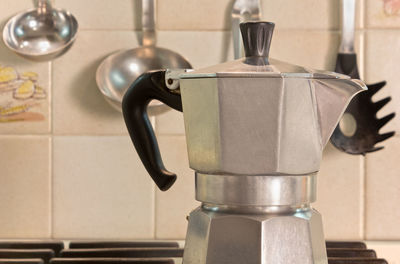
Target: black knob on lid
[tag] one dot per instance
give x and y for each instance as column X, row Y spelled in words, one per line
column 257, row 38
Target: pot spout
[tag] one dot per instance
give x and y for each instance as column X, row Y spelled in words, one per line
column 333, row 97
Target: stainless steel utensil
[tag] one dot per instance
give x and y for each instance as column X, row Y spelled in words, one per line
column 242, row 11
column 118, row 71
column 358, row 130
column 41, row 34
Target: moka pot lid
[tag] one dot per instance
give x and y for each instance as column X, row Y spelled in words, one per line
column 257, row 38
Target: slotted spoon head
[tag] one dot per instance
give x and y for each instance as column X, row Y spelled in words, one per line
column 358, row 131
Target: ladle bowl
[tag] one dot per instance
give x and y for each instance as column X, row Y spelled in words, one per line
column 118, row 71
column 40, row 34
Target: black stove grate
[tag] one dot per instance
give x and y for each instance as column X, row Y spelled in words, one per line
column 135, row 252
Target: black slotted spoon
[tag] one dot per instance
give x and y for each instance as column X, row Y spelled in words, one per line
column 358, row 131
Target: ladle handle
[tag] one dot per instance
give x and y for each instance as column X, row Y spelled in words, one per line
column 149, row 86
column 44, row 6
column 148, row 23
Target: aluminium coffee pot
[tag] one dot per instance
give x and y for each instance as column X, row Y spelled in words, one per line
column 255, row 130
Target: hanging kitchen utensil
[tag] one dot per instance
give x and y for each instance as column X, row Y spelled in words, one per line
column 41, row 34
column 243, row 10
column 119, row 70
column 358, row 130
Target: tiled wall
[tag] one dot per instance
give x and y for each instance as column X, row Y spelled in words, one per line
column 76, row 174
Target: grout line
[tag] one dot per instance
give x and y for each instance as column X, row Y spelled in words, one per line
column 153, row 120
column 154, row 212
column 365, row 198
column 383, row 242
column 227, row 31
column 362, row 198
column 63, row 135
column 362, row 19
column 50, row 89
column 193, row 30
column 363, row 158
column 51, row 192
column 397, row 135
column 362, row 55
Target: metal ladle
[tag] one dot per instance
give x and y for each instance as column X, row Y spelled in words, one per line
column 41, row 34
column 119, row 70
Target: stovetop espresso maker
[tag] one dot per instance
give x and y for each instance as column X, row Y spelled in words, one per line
column 255, row 130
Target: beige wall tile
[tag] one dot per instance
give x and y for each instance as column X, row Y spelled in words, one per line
column 315, row 49
column 215, row 47
column 382, row 14
column 387, row 250
column 101, row 190
column 339, row 194
column 170, row 122
column 383, row 193
column 174, row 205
column 104, row 14
column 382, row 57
column 10, row 8
column 25, row 195
column 193, row 14
column 308, row 14
column 360, row 14
column 79, row 107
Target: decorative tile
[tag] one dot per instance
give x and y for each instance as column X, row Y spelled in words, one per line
column 25, row 87
column 101, row 190
column 79, row 107
column 381, row 61
column 382, row 13
column 383, row 193
column 339, row 194
column 386, row 250
column 104, row 14
column 25, row 193
column 174, row 205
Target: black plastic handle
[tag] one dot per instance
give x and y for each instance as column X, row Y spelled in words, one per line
column 346, row 63
column 149, row 86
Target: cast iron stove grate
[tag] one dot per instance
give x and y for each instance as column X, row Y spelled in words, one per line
column 149, row 252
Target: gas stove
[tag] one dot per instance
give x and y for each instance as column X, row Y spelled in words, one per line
column 149, row 252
